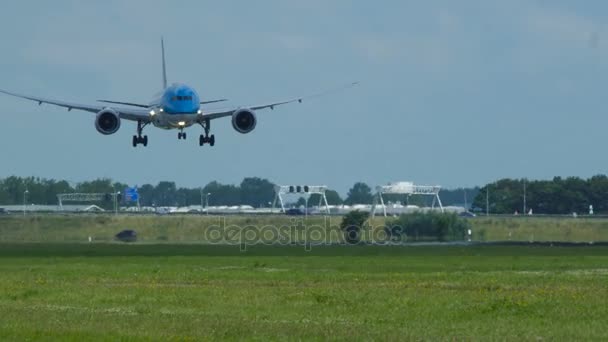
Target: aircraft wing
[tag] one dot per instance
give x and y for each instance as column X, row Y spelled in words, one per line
column 223, row 113
column 125, row 113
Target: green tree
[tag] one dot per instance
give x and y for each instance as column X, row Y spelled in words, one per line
column 505, row 196
column 146, row 195
column 597, row 193
column 165, row 194
column 360, row 193
column 102, row 185
column 222, row 194
column 556, row 196
column 456, row 197
column 4, row 195
column 256, row 192
column 53, row 188
column 187, row 197
column 14, row 188
column 333, row 198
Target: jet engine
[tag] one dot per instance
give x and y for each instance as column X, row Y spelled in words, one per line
column 244, row 121
column 107, row 121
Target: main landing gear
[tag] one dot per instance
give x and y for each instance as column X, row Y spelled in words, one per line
column 206, row 138
column 139, row 139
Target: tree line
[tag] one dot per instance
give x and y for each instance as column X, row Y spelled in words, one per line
column 254, row 191
column 558, row 196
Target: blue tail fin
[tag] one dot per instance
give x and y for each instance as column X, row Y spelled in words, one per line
column 162, row 46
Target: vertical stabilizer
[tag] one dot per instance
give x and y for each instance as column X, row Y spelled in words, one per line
column 162, row 46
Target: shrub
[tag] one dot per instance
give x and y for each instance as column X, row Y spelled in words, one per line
column 126, row 236
column 351, row 224
column 430, row 226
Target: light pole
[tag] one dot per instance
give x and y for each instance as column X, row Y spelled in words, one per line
column 207, row 202
column 488, row 200
column 116, row 194
column 524, row 197
column 25, row 193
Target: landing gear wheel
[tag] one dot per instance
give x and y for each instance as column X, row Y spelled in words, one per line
column 202, row 140
column 139, row 139
column 184, row 135
column 206, row 138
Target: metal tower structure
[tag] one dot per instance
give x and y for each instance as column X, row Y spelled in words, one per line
column 88, row 197
column 406, row 188
column 307, row 190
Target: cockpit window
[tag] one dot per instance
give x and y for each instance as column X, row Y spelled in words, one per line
column 181, row 98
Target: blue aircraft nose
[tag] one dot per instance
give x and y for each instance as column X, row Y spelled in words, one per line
column 180, row 99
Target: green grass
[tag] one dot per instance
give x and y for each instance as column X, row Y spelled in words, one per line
column 195, row 292
column 150, row 229
column 193, row 229
column 540, row 229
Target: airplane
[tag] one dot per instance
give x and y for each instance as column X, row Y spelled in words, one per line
column 177, row 106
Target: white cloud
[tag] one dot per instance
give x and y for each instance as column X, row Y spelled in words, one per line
column 555, row 26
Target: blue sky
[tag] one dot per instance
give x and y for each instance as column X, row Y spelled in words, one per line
column 456, row 93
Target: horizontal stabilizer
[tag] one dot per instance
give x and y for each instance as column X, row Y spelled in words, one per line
column 147, row 106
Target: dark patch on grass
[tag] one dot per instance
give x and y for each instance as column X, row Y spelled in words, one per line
column 44, row 250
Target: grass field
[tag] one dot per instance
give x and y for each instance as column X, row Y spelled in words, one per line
column 193, row 292
column 173, row 284
column 194, row 229
column 540, row 229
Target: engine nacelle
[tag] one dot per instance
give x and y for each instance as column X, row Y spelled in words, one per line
column 244, row 121
column 107, row 122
